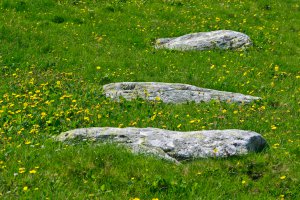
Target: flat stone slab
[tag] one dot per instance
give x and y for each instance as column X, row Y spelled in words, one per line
column 174, row 145
column 171, row 93
column 221, row 39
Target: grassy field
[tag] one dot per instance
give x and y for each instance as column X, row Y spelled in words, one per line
column 55, row 55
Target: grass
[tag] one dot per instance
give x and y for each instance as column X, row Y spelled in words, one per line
column 55, row 55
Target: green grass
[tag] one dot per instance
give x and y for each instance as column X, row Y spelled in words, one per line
column 55, row 55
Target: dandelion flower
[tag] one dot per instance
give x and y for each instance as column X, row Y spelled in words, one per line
column 192, row 121
column 21, row 170
column 273, row 127
column 157, row 98
column 282, row 177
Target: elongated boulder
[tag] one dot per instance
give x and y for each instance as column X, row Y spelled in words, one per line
column 175, row 145
column 171, row 93
column 222, row 39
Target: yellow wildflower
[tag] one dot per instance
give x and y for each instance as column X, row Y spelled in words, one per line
column 157, row 98
column 21, row 170
column 272, row 84
column 153, row 117
column 282, row 177
column 43, row 115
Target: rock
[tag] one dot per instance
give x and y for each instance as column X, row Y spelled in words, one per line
column 222, row 39
column 174, row 145
column 171, row 93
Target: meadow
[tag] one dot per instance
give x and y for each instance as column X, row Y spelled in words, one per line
column 55, row 56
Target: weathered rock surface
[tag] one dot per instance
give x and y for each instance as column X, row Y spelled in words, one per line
column 171, row 93
column 222, row 39
column 174, row 145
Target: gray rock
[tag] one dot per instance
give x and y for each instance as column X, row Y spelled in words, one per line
column 174, row 145
column 222, row 39
column 171, row 93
